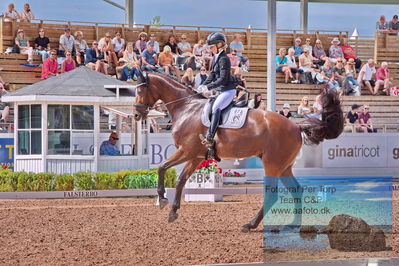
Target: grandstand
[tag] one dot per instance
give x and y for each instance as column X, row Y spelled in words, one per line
column 385, row 110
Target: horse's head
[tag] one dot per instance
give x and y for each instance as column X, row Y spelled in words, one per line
column 145, row 99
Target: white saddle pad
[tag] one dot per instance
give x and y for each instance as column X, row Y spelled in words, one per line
column 233, row 118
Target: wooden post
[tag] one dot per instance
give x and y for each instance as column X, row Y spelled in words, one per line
column 356, row 44
column 174, row 30
column 376, row 36
column 385, row 40
column 14, row 28
column 295, row 35
column 123, row 31
column 198, row 34
column 248, row 36
column 1, row 35
column 96, row 27
column 317, row 35
column 40, row 24
column 146, row 29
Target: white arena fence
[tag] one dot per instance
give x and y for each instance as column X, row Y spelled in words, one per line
column 126, row 193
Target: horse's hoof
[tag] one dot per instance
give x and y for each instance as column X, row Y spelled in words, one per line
column 172, row 217
column 245, row 228
column 163, row 203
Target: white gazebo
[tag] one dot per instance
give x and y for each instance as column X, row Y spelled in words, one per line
column 59, row 124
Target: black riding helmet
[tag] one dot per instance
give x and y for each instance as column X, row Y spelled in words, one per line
column 215, row 38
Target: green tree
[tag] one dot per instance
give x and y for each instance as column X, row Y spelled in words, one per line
column 156, row 22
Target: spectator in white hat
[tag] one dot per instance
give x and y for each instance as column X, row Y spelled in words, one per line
column 297, row 48
column 335, row 50
column 286, row 111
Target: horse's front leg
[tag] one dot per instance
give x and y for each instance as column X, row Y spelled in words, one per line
column 187, row 171
column 177, row 158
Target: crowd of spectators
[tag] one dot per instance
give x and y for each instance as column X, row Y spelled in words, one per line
column 356, row 121
column 391, row 27
column 312, row 64
column 114, row 56
column 25, row 15
column 338, row 67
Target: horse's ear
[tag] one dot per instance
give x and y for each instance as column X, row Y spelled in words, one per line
column 143, row 77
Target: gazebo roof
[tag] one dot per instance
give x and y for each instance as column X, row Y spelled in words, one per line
column 78, row 84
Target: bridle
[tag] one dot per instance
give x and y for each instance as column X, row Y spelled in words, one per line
column 145, row 108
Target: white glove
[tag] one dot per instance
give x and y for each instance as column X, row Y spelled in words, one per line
column 207, row 94
column 202, row 89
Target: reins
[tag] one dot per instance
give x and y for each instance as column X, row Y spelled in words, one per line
column 157, row 105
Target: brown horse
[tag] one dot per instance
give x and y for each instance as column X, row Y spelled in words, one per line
column 268, row 135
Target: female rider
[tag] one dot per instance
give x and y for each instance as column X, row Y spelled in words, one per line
column 220, row 80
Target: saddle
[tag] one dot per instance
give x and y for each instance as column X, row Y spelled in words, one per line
column 233, row 116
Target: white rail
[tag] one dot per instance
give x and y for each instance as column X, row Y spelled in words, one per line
column 124, row 193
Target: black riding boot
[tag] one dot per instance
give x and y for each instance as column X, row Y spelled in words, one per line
column 208, row 140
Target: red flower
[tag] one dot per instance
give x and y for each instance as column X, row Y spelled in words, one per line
column 220, row 170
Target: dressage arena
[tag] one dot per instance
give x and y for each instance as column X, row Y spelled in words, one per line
column 127, row 231
column 133, row 231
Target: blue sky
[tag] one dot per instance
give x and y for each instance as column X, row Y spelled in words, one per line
column 234, row 13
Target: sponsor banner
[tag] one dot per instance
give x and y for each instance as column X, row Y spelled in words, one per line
column 362, row 150
column 161, row 147
column 355, row 150
column 7, row 152
column 393, row 151
column 80, row 194
column 348, row 151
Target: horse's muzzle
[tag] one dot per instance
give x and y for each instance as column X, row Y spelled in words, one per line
column 140, row 112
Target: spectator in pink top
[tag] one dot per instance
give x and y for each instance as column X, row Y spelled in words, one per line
column 234, row 60
column 68, row 64
column 383, row 78
column 141, row 44
column 50, row 65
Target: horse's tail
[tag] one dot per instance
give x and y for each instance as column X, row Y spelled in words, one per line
column 332, row 123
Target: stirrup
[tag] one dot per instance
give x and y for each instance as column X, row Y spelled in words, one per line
column 205, row 141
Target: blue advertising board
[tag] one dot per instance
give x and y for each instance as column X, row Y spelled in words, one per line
column 7, row 152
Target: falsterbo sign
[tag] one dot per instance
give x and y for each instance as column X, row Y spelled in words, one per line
column 362, row 150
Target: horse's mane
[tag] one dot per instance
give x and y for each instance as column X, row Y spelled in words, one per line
column 181, row 84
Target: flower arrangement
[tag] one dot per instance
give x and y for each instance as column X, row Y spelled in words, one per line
column 234, row 174
column 208, row 166
column 3, row 166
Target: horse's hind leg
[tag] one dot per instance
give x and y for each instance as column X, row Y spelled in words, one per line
column 187, row 171
column 177, row 158
column 289, row 180
column 269, row 198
